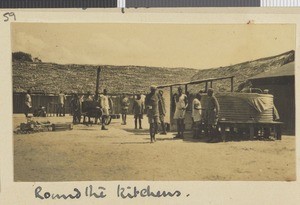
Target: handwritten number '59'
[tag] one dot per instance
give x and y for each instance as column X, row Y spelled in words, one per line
column 7, row 16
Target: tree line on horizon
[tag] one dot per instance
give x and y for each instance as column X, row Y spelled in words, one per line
column 24, row 57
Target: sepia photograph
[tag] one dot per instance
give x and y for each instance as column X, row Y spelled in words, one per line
column 153, row 102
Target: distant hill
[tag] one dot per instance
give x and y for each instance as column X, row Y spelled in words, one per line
column 51, row 78
column 242, row 71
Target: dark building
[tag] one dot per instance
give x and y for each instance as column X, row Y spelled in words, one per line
column 281, row 83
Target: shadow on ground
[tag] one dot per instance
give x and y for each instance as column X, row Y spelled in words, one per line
column 137, row 131
column 148, row 142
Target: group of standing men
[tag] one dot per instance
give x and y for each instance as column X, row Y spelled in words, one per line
column 206, row 118
column 153, row 103
column 156, row 110
column 104, row 103
column 202, row 118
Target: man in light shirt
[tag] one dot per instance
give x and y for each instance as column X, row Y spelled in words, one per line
column 197, row 116
column 181, row 103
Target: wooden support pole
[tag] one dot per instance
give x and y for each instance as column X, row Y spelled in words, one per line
column 231, row 79
column 223, row 134
column 277, row 132
column 251, row 132
column 211, row 82
column 97, row 84
column 171, row 108
column 186, row 88
column 206, row 86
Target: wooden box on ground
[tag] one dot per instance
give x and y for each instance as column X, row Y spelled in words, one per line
column 62, row 126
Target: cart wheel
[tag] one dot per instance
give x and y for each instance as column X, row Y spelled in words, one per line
column 108, row 120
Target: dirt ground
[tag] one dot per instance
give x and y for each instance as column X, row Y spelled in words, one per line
column 123, row 153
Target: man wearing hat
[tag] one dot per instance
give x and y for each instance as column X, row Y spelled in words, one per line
column 151, row 103
column 181, row 103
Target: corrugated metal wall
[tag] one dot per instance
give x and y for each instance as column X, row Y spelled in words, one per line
column 37, row 100
column 48, row 100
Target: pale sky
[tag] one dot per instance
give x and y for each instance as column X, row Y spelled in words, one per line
column 160, row 45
